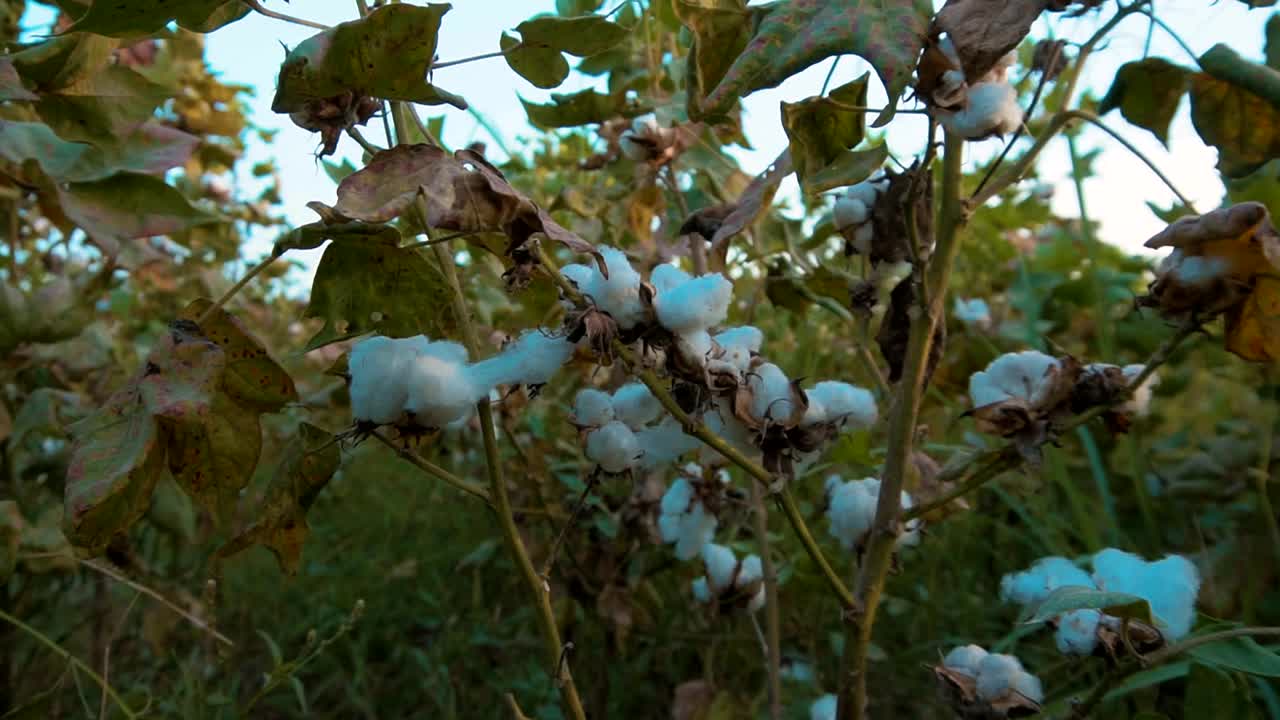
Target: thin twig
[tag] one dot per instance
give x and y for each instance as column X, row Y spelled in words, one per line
column 1097, row 122
column 226, row 297
column 257, row 7
column 773, row 618
column 139, row 587
column 831, row 73
column 1022, row 126
column 473, row 58
column 1176, row 37
column 435, row 470
column 368, row 146
column 568, row 525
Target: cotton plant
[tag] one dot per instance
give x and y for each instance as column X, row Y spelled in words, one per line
column 973, row 312
column 628, row 429
column 989, row 685
column 1169, row 586
column 730, row 583
column 685, row 519
column 974, row 108
column 853, row 210
column 824, row 708
column 851, row 511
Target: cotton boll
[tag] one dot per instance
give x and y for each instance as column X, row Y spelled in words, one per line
column 592, row 408
column 1140, row 402
column 992, row 109
column 864, row 192
column 1028, row 686
column 669, row 527
column 613, row 447
column 744, row 336
column 619, row 294
column 771, row 393
column 667, row 277
column 1077, row 632
column 1118, row 571
column 642, row 125
column 849, row 212
column 997, row 673
column 830, row 485
column 734, row 358
column 862, row 238
column 1198, row 269
column 721, row 565
column 439, row 391
column 847, row 404
column 695, row 347
column 533, row 359
column 824, row 708
column 582, row 276
column 677, row 498
column 697, row 528
column 663, row 443
column 635, row 405
column 852, row 510
column 965, row 659
column 701, row 591
column 751, row 571
column 378, row 389
column 972, row 312
column 1045, row 576
column 757, row 601
column 695, row 305
column 1022, row 375
column 1172, row 586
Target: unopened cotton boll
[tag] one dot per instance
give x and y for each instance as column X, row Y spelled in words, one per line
column 992, row 109
column 1077, row 632
column 1022, row 376
column 835, row 401
column 965, row 659
column 613, row 447
column 744, row 336
column 824, row 708
column 721, row 564
column 592, row 408
column 378, row 389
column 695, row 305
column 635, row 405
column 667, row 277
column 771, row 393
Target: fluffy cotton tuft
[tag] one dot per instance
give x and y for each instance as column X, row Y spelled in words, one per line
column 664, row 442
column 1196, row 270
column 667, row 277
column 695, row 347
column 992, row 109
column 440, row 390
column 619, row 294
column 685, row 521
column 533, row 359
column 852, row 511
column 849, row 212
column 824, row 708
column 1021, row 376
column 635, row 405
column 999, row 673
column 840, row 402
column 771, row 393
column 613, row 447
column 1045, row 576
column 694, row 305
column 1077, row 632
column 744, row 336
column 378, row 390
column 700, row 590
column 1170, row 586
column 721, row 564
column 973, row 312
column 592, row 408
column 965, row 659
column 642, row 125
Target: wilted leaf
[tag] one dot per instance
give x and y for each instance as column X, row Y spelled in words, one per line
column 1240, row 236
column 313, row 235
column 212, row 457
column 821, row 129
column 385, row 54
column 11, row 525
column 1225, row 64
column 308, row 463
column 151, row 149
column 1148, row 93
column 1076, row 597
column 580, row 108
column 182, row 374
column 983, row 31
column 115, row 18
column 1242, row 126
column 374, row 286
column 252, row 377
column 128, row 205
column 1253, row 326
column 791, row 36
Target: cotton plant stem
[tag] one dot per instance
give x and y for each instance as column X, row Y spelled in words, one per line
column 885, row 528
column 773, row 615
column 75, row 662
column 501, row 501
column 475, row 490
column 699, row 430
column 258, row 8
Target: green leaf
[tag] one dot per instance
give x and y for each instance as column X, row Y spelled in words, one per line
column 721, row 30
column 1212, row 693
column 578, row 36
column 543, row 66
column 794, row 34
column 1244, row 127
column 851, row 166
column 313, row 235
column 212, row 456
column 117, row 18
column 821, row 129
column 63, row 61
column 1227, row 65
column 11, row 525
column 116, row 460
column 337, row 172
column 1066, row 599
column 1148, row 93
column 1149, row 678
column 151, row 149
column 386, row 54
column 580, row 108
column 307, row 464
column 1272, row 35
column 128, row 205
column 1239, row 653
column 252, row 378
column 374, row 286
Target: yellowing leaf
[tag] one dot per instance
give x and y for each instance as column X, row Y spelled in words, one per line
column 1148, row 93
column 821, row 129
column 1253, row 326
column 1244, row 127
column 252, row 378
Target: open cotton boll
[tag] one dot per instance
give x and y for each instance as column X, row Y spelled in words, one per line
column 734, row 358
column 771, row 393
column 1077, row 632
column 992, row 109
column 852, row 510
column 642, row 125
column 862, row 238
column 677, row 497
column 1197, row 270
column 721, row 565
column 999, row 673
column 835, row 401
column 664, row 442
column 972, row 312
column 1118, row 571
column 824, row 708
column 864, row 192
column 1140, row 402
column 613, row 447
column 695, row 347
column 619, row 294
column 666, row 277
column 849, row 212
column 965, row 659
column 582, row 276
column 701, row 591
column 592, row 408
column 1046, row 575
column 440, row 391
column 744, row 336
column 696, row 528
column 669, row 527
column 1022, row 375
column 533, row 359
column 695, row 305
column 751, row 570
column 635, row 405
column 378, row 387
column 1172, row 586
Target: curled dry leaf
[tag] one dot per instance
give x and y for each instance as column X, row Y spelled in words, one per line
column 332, row 115
column 749, row 205
column 983, row 31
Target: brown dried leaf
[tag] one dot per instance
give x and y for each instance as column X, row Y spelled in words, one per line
column 1241, row 235
column 985, row 30
column 749, row 205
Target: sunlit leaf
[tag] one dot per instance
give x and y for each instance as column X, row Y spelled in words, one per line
column 580, row 108
column 1253, row 326
column 1242, row 126
column 1148, row 93
column 821, row 129
column 307, row 464
column 849, row 167
column 385, row 54
column 117, row 18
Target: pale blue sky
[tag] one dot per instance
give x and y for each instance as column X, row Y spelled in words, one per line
column 249, row 52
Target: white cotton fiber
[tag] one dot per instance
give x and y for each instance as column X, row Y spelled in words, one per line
column 677, row 497
column 849, row 212
column 744, row 336
column 695, row 305
column 533, row 359
column 997, row 673
column 824, row 708
column 1077, row 632
column 440, row 391
column 751, row 570
column 664, row 442
column 592, row 408
column 697, row 528
column 1045, row 576
column 965, row 659
column 635, row 405
column 757, row 601
column 991, row 109
column 721, row 565
column 1022, row 375
column 667, row 277
column 613, row 447
column 619, row 294
column 834, row 401
column 642, row 125
column 972, row 312
column 862, row 238
column 853, row 510
column 864, row 192
column 1028, row 685
column 771, row 394
column 695, row 347
column 1173, row 584
column 1197, row 269
column 669, row 527
column 733, row 360
column 582, row 276
column 378, row 389
column 1140, row 402
column 701, row 591
column 1118, row 571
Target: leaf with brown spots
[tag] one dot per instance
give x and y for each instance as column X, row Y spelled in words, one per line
column 213, row 457
column 252, row 377
column 307, row 465
column 750, row 204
